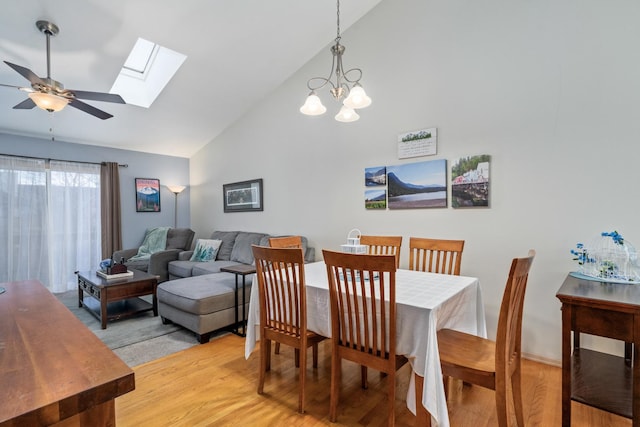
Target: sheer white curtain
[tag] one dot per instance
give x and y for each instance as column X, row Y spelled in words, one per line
column 23, row 220
column 74, row 220
column 49, row 221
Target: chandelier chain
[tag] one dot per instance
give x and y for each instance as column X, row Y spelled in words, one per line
column 338, row 20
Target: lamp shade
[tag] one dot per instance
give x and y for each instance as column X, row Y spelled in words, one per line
column 357, row 98
column 347, row 115
column 48, row 101
column 176, row 188
column 313, row 106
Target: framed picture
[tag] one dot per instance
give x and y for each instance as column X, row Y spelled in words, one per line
column 375, row 176
column 417, row 185
column 147, row 195
column 243, row 196
column 417, row 143
column 470, row 182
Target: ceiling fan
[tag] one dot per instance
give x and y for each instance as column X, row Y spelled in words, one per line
column 51, row 95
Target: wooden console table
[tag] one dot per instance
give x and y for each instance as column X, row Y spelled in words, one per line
column 53, row 369
column 601, row 380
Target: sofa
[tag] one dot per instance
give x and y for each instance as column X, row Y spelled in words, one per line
column 178, row 241
column 199, row 296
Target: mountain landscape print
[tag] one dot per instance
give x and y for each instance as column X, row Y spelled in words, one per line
column 417, row 185
column 375, row 176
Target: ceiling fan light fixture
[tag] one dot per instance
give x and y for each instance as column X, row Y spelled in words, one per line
column 49, row 102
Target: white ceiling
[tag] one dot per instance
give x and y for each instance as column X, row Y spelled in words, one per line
column 238, row 51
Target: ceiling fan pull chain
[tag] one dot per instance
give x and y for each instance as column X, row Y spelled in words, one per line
column 53, row 137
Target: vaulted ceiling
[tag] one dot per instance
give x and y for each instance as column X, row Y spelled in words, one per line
column 238, row 51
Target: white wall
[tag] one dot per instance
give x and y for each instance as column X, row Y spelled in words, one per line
column 550, row 89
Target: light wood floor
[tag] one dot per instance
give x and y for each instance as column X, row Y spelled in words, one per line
column 213, row 385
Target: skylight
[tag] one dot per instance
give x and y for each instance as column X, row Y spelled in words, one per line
column 146, row 72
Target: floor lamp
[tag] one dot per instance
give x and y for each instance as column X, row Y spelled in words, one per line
column 176, row 189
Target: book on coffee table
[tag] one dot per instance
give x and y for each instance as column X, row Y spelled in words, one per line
column 104, row 275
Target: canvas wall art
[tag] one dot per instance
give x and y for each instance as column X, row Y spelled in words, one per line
column 470, row 182
column 375, row 176
column 375, row 199
column 417, row 143
column 417, row 185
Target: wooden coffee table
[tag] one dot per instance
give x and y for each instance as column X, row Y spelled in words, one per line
column 117, row 298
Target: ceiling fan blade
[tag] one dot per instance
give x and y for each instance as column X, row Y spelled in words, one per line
column 27, row 104
column 98, row 96
column 90, row 109
column 26, row 73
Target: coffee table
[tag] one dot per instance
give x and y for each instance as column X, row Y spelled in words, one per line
column 117, row 298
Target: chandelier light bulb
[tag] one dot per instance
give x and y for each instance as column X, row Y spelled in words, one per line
column 313, row 106
column 347, row 115
column 357, row 98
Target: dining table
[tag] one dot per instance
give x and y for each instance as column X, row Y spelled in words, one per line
column 425, row 303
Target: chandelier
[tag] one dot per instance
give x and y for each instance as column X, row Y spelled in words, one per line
column 354, row 97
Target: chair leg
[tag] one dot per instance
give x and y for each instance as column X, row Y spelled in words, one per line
column 277, row 348
column 516, row 390
column 392, row 398
column 445, row 381
column 265, row 348
column 501, row 402
column 363, row 377
column 303, row 375
column 315, row 355
column 335, row 387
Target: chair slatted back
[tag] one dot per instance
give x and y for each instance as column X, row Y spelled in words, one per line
column 363, row 309
column 435, row 255
column 383, row 245
column 280, row 273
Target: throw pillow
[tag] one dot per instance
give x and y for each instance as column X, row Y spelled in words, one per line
column 206, row 250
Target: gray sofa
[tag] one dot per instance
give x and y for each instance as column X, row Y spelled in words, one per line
column 178, row 240
column 199, row 296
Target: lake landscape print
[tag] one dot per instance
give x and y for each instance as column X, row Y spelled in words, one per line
column 417, row 185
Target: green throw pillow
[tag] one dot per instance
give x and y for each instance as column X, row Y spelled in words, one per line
column 206, row 250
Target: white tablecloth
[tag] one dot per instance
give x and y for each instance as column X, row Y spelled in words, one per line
column 425, row 303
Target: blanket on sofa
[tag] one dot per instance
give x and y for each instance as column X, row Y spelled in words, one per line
column 155, row 240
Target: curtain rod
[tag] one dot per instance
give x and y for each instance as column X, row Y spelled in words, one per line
column 61, row 160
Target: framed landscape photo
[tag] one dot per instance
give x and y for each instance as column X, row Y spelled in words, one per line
column 147, row 195
column 243, row 196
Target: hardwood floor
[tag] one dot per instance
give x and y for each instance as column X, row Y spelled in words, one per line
column 213, row 385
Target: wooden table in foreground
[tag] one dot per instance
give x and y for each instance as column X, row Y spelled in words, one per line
column 117, row 298
column 604, row 381
column 53, row 369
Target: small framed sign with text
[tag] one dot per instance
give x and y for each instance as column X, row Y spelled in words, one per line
column 417, row 143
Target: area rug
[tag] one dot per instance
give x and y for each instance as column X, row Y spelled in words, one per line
column 137, row 339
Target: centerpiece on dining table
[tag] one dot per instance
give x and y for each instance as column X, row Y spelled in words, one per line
column 353, row 245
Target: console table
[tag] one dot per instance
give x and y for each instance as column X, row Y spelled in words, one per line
column 53, row 369
column 604, row 381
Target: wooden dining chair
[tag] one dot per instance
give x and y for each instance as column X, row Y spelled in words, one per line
column 493, row 365
column 362, row 294
column 435, row 255
column 283, row 309
column 383, row 245
column 286, row 242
